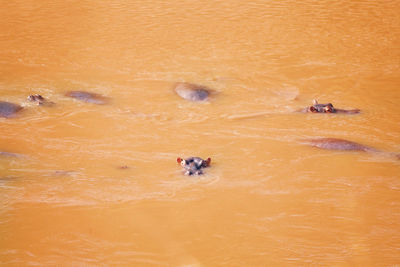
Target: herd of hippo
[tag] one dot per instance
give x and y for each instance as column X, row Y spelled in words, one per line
column 197, row 93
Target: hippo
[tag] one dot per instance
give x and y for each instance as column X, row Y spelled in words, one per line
column 339, row 144
column 9, row 154
column 88, row 97
column 8, row 109
column 328, row 108
column 194, row 165
column 123, row 167
column 40, row 100
column 345, row 145
column 192, row 92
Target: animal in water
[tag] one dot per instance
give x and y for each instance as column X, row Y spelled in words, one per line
column 8, row 109
column 9, row 154
column 345, row 145
column 194, row 165
column 123, row 167
column 338, row 144
column 40, row 100
column 192, row 92
column 88, row 97
column 328, row 108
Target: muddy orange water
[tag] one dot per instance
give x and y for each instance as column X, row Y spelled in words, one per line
column 99, row 185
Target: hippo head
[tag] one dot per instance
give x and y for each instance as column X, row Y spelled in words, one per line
column 321, row 108
column 40, row 100
column 194, row 162
column 194, row 165
column 36, row 98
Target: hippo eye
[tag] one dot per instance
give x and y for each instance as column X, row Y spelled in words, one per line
column 183, row 162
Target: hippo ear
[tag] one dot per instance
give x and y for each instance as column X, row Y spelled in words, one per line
column 328, row 109
column 315, row 102
column 312, row 109
column 179, row 160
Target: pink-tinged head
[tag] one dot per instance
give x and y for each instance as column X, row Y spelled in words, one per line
column 312, row 109
column 208, row 161
column 179, row 160
column 328, row 109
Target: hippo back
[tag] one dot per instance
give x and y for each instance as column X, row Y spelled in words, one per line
column 8, row 109
column 338, row 144
column 88, row 97
column 192, row 92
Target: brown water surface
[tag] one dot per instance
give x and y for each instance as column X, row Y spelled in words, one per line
column 94, row 185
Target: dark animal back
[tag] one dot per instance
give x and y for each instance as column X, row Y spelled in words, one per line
column 87, row 97
column 192, row 92
column 338, row 144
column 8, row 109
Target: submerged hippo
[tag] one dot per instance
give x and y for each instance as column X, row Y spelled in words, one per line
column 40, row 100
column 194, row 165
column 192, row 92
column 8, row 109
column 328, row 108
column 344, row 145
column 9, row 154
column 338, row 144
column 88, row 97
